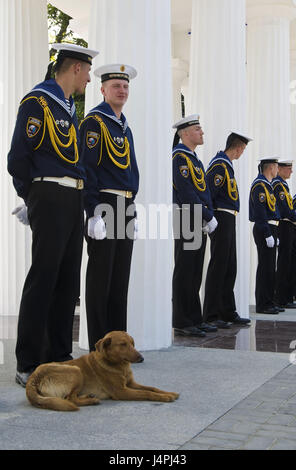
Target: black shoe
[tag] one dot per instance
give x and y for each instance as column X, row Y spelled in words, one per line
column 240, row 321
column 280, row 308
column 221, row 324
column 289, row 305
column 269, row 311
column 190, row 331
column 207, row 328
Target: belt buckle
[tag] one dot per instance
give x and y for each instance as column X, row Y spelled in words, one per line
column 128, row 194
column 79, row 184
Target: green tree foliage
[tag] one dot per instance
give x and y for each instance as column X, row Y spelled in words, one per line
column 59, row 31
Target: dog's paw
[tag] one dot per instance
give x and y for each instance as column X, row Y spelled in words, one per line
column 170, row 396
column 175, row 395
column 94, row 399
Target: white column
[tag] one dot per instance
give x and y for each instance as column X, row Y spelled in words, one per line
column 217, row 90
column 292, row 182
column 268, row 64
column 180, row 72
column 24, row 60
column 144, row 43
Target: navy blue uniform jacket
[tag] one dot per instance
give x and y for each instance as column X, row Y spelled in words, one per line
column 284, row 199
column 222, row 183
column 32, row 153
column 184, row 189
column 259, row 210
column 105, row 169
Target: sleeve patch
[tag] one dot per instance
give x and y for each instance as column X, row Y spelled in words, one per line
column 33, row 127
column 262, row 197
column 218, row 180
column 184, row 170
column 282, row 196
column 92, row 139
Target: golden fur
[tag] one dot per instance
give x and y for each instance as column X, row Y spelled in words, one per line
column 104, row 373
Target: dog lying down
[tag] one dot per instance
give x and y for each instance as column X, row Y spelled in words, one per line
column 103, row 374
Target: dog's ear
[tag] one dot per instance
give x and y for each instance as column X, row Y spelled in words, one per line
column 98, row 345
column 103, row 344
column 106, row 342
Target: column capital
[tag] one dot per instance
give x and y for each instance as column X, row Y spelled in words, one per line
column 267, row 9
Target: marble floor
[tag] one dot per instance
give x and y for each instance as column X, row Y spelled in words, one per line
column 266, row 333
column 261, row 335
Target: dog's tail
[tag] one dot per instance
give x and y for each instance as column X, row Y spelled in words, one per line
column 36, row 398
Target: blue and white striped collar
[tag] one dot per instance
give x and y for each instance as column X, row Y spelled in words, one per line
column 279, row 179
column 262, row 179
column 221, row 156
column 52, row 89
column 105, row 109
column 183, row 148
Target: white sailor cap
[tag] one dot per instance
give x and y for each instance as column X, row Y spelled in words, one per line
column 73, row 51
column 283, row 162
column 115, row 71
column 187, row 122
column 234, row 135
column 268, row 160
column 265, row 160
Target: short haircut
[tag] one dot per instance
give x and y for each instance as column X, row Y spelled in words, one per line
column 235, row 143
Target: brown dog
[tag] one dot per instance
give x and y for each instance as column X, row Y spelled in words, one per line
column 102, row 374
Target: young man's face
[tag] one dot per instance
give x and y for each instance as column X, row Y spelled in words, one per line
column 239, row 151
column 82, row 76
column 195, row 134
column 274, row 169
column 285, row 171
column 115, row 92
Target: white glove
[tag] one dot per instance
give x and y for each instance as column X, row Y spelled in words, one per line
column 270, row 242
column 211, row 226
column 96, row 228
column 277, row 242
column 205, row 227
column 22, row 214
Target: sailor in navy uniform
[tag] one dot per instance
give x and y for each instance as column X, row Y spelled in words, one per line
column 190, row 189
column 263, row 211
column 286, row 234
column 49, row 176
column 219, row 303
column 293, row 258
column 107, row 148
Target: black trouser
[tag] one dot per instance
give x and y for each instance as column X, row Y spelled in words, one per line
column 108, row 273
column 187, row 278
column 284, row 286
column 52, row 285
column 265, row 276
column 293, row 265
column 219, row 301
